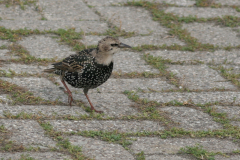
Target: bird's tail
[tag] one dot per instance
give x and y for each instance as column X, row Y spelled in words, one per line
column 51, row 70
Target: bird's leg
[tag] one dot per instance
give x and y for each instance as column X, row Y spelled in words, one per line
column 92, row 108
column 70, row 99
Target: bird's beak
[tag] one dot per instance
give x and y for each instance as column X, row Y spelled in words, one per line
column 122, row 45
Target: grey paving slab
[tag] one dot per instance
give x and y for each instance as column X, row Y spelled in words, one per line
column 113, row 104
column 40, row 87
column 117, row 2
column 4, row 42
column 229, row 2
column 109, row 125
column 132, row 19
column 177, row 2
column 34, row 155
column 232, row 69
column 154, row 39
column 64, row 9
column 167, row 157
column 232, row 111
column 27, row 132
column 191, row 119
column 127, row 62
column 213, row 34
column 200, row 77
column 202, row 12
column 4, row 98
column 235, row 157
column 85, row 26
column 45, row 47
column 216, row 57
column 236, row 123
column 155, row 145
column 196, row 97
column 120, row 85
column 42, row 110
column 22, row 68
column 100, row 150
column 4, row 54
column 15, row 12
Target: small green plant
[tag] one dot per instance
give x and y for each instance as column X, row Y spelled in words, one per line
column 198, row 152
column 140, row 156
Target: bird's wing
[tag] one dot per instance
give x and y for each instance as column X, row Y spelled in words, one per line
column 75, row 62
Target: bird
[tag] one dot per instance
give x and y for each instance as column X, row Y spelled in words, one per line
column 88, row 68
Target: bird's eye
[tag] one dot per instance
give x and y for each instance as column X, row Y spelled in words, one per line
column 114, row 45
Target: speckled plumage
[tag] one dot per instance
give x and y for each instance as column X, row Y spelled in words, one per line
column 89, row 68
column 87, row 72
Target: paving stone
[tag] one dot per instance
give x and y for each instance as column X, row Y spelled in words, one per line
column 15, row 12
column 228, row 2
column 127, row 62
column 196, row 97
column 4, row 55
column 201, row 12
column 42, row 110
column 232, row 69
column 235, row 157
column 4, row 42
column 27, row 132
column 64, row 9
column 113, row 104
column 232, row 111
column 40, row 87
column 35, row 155
column 154, row 39
column 22, row 68
column 235, row 123
column 108, row 125
column 132, row 19
column 45, row 47
column 85, row 26
column 200, row 77
column 167, row 157
column 177, row 2
column 4, row 100
column 216, row 57
column 155, row 145
column 120, row 85
column 213, row 34
column 191, row 119
column 118, row 2
column 100, row 150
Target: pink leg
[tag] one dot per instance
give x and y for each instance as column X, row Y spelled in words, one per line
column 70, row 99
column 92, row 108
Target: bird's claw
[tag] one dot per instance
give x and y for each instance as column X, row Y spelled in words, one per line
column 70, row 98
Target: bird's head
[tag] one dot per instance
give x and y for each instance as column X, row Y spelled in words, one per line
column 110, row 45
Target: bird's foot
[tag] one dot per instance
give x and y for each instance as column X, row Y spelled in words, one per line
column 93, row 109
column 70, row 98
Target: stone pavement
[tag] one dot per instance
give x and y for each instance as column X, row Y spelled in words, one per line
column 173, row 96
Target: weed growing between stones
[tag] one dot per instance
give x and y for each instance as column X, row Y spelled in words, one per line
column 140, row 156
column 6, row 144
column 198, row 152
column 63, row 143
column 173, row 22
column 21, row 3
column 19, row 95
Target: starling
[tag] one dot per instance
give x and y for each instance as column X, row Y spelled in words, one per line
column 88, row 68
